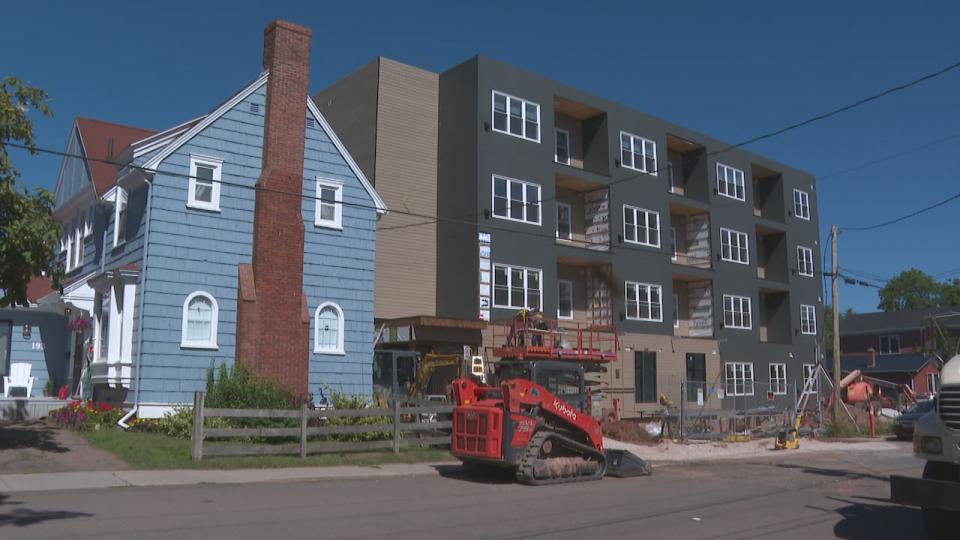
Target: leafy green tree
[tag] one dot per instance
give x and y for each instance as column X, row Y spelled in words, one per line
column 950, row 293
column 29, row 234
column 911, row 289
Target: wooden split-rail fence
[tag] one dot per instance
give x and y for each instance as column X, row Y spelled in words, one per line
column 409, row 426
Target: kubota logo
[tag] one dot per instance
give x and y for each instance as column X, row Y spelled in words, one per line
column 564, row 410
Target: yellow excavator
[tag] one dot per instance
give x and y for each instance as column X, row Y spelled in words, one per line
column 409, row 375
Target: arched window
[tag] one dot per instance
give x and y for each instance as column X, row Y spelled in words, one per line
column 200, row 317
column 328, row 329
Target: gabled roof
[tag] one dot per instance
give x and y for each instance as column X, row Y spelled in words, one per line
column 38, row 287
column 892, row 321
column 886, row 363
column 103, row 142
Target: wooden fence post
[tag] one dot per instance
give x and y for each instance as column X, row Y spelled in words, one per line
column 303, row 430
column 197, row 453
column 396, row 426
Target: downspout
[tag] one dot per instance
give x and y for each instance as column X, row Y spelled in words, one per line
column 143, row 285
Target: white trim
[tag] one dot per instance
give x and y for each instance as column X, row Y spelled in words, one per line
column 337, row 221
column 676, row 311
column 782, row 370
column 508, row 269
column 569, row 208
column 316, row 329
column 377, row 200
column 744, row 313
column 214, row 323
column 731, row 233
column 890, row 339
column 569, row 283
column 810, row 371
column 805, row 261
column 556, row 143
column 643, row 150
column 649, row 287
column 209, row 162
column 803, row 203
column 744, row 379
column 636, row 210
column 120, row 203
column 808, row 319
column 526, row 204
column 723, row 182
column 673, row 241
column 523, row 110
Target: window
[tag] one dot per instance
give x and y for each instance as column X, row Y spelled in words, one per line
column 671, row 180
column 564, row 299
column 564, row 228
column 933, row 382
column 805, row 261
column 515, row 116
column 778, row 379
column 638, row 153
column 68, row 240
column 516, row 200
column 204, row 183
column 88, row 222
column 676, row 311
column 736, row 312
column 890, row 344
column 328, row 329
column 78, row 244
column 739, row 378
column 329, row 206
column 696, row 376
column 801, row 204
column 673, row 243
column 200, row 316
column 643, row 302
column 562, row 154
column 641, row 226
column 730, row 182
column 103, row 328
column 565, row 384
column 645, row 376
column 810, row 382
column 808, row 319
column 516, row 287
column 733, row 246
column 120, row 217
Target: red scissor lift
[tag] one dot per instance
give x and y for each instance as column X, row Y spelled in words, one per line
column 546, row 339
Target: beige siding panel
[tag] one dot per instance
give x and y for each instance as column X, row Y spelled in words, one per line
column 406, row 166
column 350, row 106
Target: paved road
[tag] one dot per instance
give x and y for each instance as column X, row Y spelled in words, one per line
column 839, row 494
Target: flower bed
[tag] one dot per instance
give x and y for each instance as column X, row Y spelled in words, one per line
column 86, row 415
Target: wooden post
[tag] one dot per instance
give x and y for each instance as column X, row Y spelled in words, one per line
column 396, row 426
column 303, row 430
column 835, row 300
column 197, row 453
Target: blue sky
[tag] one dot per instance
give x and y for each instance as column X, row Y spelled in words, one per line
column 731, row 69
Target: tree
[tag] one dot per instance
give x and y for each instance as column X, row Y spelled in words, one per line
column 911, row 289
column 28, row 232
column 828, row 326
column 950, row 293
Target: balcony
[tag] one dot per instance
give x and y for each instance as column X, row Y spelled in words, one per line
column 687, row 169
column 773, row 316
column 580, row 140
column 772, row 254
column 690, row 235
column 768, row 201
column 692, row 307
column 584, row 293
column 583, row 213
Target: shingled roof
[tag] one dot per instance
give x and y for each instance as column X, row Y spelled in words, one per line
column 104, row 142
column 893, row 321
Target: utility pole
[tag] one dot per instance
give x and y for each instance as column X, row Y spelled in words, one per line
column 835, row 297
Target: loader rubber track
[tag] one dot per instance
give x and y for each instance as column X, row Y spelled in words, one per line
column 538, row 471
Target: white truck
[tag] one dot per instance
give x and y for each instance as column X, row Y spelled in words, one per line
column 936, row 438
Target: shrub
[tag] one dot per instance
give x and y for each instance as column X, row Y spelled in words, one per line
column 237, row 388
column 344, row 401
column 86, row 415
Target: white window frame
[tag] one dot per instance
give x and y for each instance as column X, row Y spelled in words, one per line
column 801, row 204
column 804, row 261
column 337, row 221
column 738, row 305
column 526, row 204
column 933, row 382
column 742, row 244
column 211, row 343
column 673, row 242
column 317, row 348
column 556, row 145
column 637, row 212
column 808, row 319
column 569, row 208
column 523, row 117
column 734, row 179
column 560, row 285
column 740, row 370
column 631, row 151
column 509, row 269
column 120, row 204
column 809, row 370
column 778, row 379
column 88, row 222
column 217, row 165
column 890, row 339
column 639, row 299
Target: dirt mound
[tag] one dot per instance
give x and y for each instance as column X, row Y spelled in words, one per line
column 628, row 431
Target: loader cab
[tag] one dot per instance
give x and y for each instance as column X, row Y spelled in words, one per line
column 394, row 373
column 562, row 379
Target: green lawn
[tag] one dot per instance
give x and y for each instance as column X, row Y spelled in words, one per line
column 157, row 451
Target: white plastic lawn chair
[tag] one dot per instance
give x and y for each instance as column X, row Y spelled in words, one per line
column 19, row 378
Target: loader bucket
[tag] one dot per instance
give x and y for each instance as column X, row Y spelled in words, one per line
column 623, row 464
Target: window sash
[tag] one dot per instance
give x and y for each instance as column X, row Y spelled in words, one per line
column 564, row 299
column 562, row 151
column 199, row 320
column 808, row 319
column 739, row 378
column 801, row 204
column 204, row 184
column 734, row 246
column 641, row 226
column 328, row 207
column 890, row 344
column 516, row 200
column 517, row 287
column 730, row 182
column 808, row 372
column 778, row 379
column 644, row 301
column 805, row 261
column 515, row 116
column 564, row 221
column 638, row 153
column 737, row 312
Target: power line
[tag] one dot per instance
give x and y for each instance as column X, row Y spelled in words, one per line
column 903, row 217
column 845, row 108
column 889, row 157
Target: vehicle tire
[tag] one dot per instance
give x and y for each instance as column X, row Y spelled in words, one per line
column 941, row 524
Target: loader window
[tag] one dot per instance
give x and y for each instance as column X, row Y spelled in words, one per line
column 564, row 384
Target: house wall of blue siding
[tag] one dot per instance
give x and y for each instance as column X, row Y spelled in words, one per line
column 45, row 349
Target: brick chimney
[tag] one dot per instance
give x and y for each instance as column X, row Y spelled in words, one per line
column 272, row 319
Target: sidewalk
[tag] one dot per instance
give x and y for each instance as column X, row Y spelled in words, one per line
column 103, row 479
